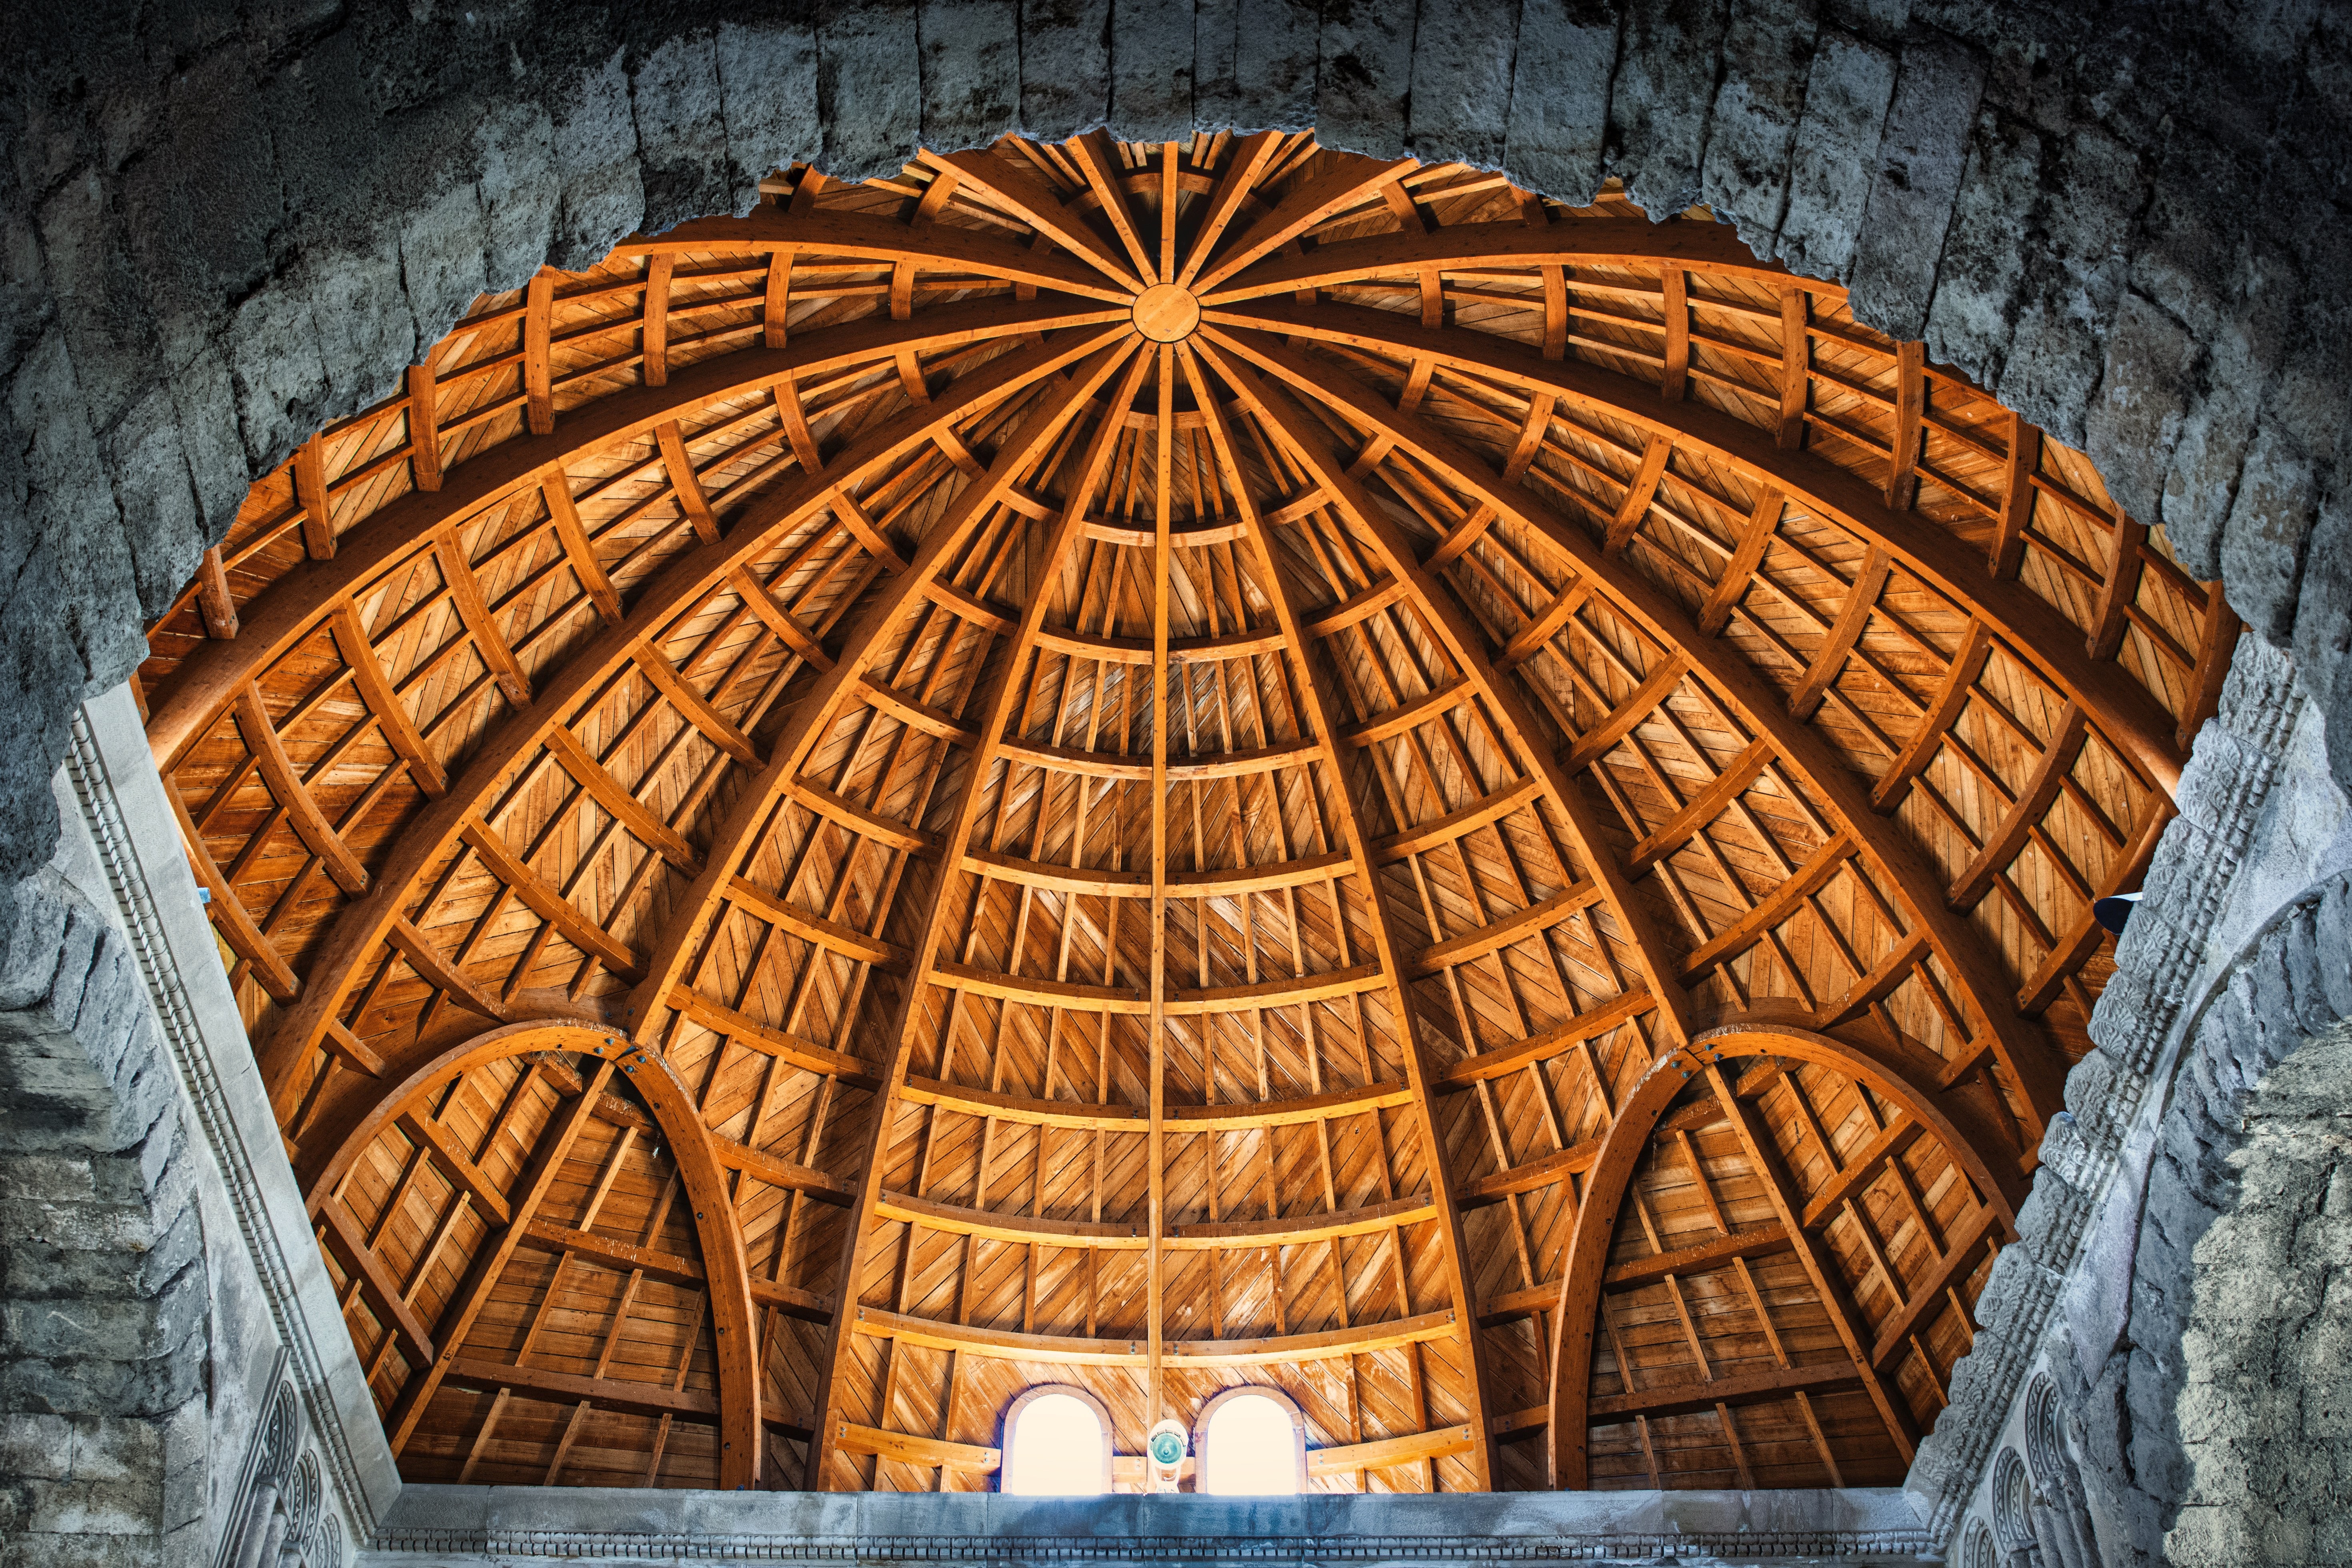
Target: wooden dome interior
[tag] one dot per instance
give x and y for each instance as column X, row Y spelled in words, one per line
column 1163, row 767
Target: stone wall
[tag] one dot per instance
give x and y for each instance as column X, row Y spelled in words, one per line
column 176, row 1381
column 220, row 226
column 103, row 1285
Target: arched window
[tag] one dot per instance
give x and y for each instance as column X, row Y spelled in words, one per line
column 1056, row 1444
column 1251, row 1442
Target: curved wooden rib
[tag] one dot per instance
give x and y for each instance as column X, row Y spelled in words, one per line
column 1955, row 1123
column 997, row 711
column 1297, row 1230
column 292, row 609
column 960, row 250
column 1280, row 1350
column 2031, row 1062
column 360, row 928
column 673, row 1107
column 2031, row 627
column 1636, row 244
column 1385, row 947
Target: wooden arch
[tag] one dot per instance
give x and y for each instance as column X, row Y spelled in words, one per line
column 1158, row 741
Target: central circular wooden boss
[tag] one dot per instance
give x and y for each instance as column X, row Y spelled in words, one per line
column 1166, row 312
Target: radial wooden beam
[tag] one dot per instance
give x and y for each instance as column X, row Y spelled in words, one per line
column 359, row 929
column 773, row 230
column 996, row 712
column 1957, row 1123
column 2122, row 708
column 2032, row 1061
column 1387, row 950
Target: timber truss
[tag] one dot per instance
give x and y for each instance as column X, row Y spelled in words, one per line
column 1162, row 766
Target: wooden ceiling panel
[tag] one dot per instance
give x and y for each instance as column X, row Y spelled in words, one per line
column 816, row 825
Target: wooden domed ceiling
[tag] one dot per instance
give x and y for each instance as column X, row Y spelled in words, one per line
column 1157, row 767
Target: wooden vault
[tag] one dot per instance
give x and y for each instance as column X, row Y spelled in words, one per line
column 1163, row 766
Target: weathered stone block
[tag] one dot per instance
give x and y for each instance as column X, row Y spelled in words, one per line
column 1846, row 95
column 971, row 71
column 1559, row 98
column 1064, row 66
column 1768, row 48
column 1462, row 59
column 1922, row 150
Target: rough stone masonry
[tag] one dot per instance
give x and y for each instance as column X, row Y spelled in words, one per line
column 222, row 227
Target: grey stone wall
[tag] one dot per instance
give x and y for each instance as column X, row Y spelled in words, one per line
column 2160, row 1280
column 103, row 1286
column 222, row 225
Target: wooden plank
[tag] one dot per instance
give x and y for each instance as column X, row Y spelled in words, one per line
column 1068, row 880
column 1040, row 992
column 1067, row 1113
column 1071, row 760
column 1958, row 684
column 745, row 1030
column 1245, row 1116
column 779, row 620
column 1778, row 905
column 390, row 714
column 918, row 715
column 1853, row 614
column 1900, row 1133
column 1332, row 1344
column 830, row 935
column 424, row 426
column 931, row 1452
column 286, row 786
column 691, row 705
column 683, row 482
column 1412, row 1449
column 1763, row 520
column 214, row 603
column 1299, row 1229
column 1277, row 993
column 1025, row 1229
column 2008, row 546
column 547, row 900
column 1595, row 742
column 632, row 813
column 578, row 548
column 1796, row 365
column 2083, row 933
column 1204, row 765
column 1702, row 808
column 1453, row 825
column 245, row 939
column 1962, row 1250
column 972, row 608
column 998, row 1344
column 1545, row 625
column 858, row 820
column 1910, row 412
column 1763, row 1241
column 538, row 379
column 625, row 1396
column 310, row 493
column 655, row 344
column 1892, row 969
column 442, row 975
column 1396, row 721
column 2041, row 789
column 481, row 626
column 1543, row 1048
column 1493, row 937
column 1357, row 606
column 2127, row 563
column 383, row 1293
column 1685, row 1395
column 1639, row 492
column 1674, row 291
column 417, row 1122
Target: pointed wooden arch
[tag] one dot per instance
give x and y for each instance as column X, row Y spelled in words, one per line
column 1947, row 1116
column 735, row 1336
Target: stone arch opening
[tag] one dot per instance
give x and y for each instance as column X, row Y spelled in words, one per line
column 2230, row 442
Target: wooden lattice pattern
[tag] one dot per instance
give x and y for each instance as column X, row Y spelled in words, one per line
column 1157, row 767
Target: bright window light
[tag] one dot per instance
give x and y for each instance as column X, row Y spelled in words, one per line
column 1054, row 1449
column 1250, row 1449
